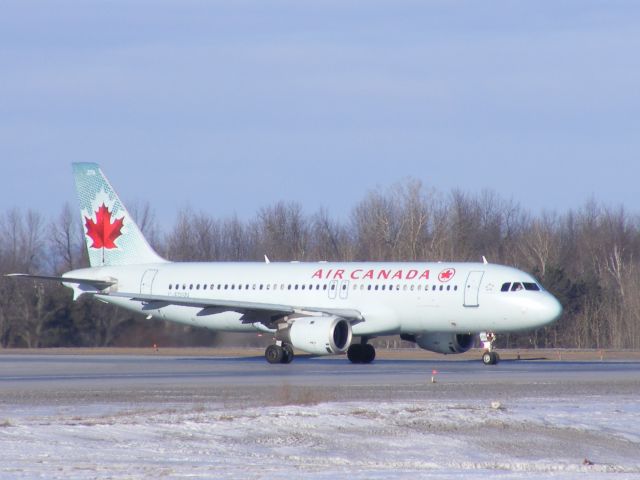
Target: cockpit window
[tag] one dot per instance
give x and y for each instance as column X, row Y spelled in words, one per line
column 531, row 286
column 516, row 287
column 505, row 287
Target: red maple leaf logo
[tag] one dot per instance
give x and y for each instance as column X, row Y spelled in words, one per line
column 447, row 274
column 102, row 231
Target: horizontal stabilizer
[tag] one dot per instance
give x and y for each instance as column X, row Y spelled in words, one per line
column 97, row 284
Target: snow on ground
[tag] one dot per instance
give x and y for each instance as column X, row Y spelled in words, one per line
column 523, row 438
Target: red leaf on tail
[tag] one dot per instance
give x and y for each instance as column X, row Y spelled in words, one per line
column 102, row 232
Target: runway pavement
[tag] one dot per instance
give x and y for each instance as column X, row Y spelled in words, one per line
column 82, row 379
column 141, row 416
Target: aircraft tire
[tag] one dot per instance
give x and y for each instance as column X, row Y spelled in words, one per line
column 287, row 353
column 369, row 353
column 355, row 353
column 490, row 358
column 274, row 354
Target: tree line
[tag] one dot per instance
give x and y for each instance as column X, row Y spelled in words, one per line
column 589, row 258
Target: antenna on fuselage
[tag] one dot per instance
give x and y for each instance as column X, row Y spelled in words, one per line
column 266, row 259
column 484, row 260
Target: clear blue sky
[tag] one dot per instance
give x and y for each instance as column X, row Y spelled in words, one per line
column 232, row 106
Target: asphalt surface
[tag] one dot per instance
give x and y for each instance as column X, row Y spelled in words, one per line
column 68, row 380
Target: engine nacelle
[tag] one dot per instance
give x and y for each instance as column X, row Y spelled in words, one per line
column 323, row 335
column 444, row 342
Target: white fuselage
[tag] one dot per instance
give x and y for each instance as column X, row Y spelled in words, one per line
column 392, row 298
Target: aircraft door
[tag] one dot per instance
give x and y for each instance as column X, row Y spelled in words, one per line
column 146, row 283
column 472, row 288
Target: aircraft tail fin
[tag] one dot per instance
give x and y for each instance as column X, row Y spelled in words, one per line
column 112, row 237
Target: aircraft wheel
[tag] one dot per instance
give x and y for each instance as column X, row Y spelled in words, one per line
column 274, row 354
column 287, row 353
column 369, row 353
column 490, row 358
column 355, row 353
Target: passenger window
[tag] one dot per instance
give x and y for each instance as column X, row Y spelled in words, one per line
column 433, row 288
column 170, row 286
column 324, row 287
column 531, row 286
column 455, row 288
column 383, row 287
column 376, row 287
column 448, row 287
column 505, row 287
column 368, row 287
column 191, row 287
column 441, row 287
column 333, row 286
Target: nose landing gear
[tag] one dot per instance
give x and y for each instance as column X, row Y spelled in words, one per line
column 490, row 356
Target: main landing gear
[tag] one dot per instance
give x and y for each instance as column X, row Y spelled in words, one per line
column 361, row 352
column 490, row 356
column 279, row 353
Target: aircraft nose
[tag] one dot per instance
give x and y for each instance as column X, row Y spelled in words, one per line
column 551, row 309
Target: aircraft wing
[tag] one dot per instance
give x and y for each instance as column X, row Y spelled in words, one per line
column 251, row 309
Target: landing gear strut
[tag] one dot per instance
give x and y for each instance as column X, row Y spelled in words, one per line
column 361, row 352
column 489, row 357
column 279, row 353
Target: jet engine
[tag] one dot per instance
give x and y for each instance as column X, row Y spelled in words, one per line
column 322, row 335
column 443, row 342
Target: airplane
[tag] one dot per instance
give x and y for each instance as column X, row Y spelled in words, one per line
column 318, row 308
